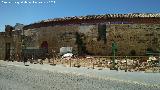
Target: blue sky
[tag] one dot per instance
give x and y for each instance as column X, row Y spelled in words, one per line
column 13, row 13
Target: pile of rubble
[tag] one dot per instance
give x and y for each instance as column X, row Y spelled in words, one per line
column 131, row 65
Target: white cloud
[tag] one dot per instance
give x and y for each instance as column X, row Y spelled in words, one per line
column 5, row 2
column 25, row 1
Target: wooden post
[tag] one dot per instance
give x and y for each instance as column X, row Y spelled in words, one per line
column 53, row 60
column 126, row 65
column 93, row 65
column 54, row 57
column 70, row 62
column 138, row 63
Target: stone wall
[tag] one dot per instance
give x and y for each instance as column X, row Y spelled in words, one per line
column 56, row 37
column 138, row 37
column 14, row 41
column 128, row 37
column 2, row 46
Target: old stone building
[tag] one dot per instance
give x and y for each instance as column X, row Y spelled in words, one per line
column 10, row 43
column 134, row 34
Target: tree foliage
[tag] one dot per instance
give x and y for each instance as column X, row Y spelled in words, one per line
column 102, row 32
column 80, row 44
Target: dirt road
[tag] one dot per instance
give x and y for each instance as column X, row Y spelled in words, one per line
column 14, row 77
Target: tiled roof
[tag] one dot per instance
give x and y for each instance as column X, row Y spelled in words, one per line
column 104, row 16
column 132, row 18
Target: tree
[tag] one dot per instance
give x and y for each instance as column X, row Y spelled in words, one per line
column 102, row 32
column 80, row 44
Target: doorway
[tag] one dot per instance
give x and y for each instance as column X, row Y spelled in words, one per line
column 7, row 51
column 44, row 45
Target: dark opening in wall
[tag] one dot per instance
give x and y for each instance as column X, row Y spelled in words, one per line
column 102, row 32
column 132, row 52
column 7, row 50
column 44, row 45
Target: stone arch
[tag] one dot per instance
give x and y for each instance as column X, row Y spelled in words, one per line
column 44, row 45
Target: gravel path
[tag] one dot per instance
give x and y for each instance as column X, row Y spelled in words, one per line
column 14, row 77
